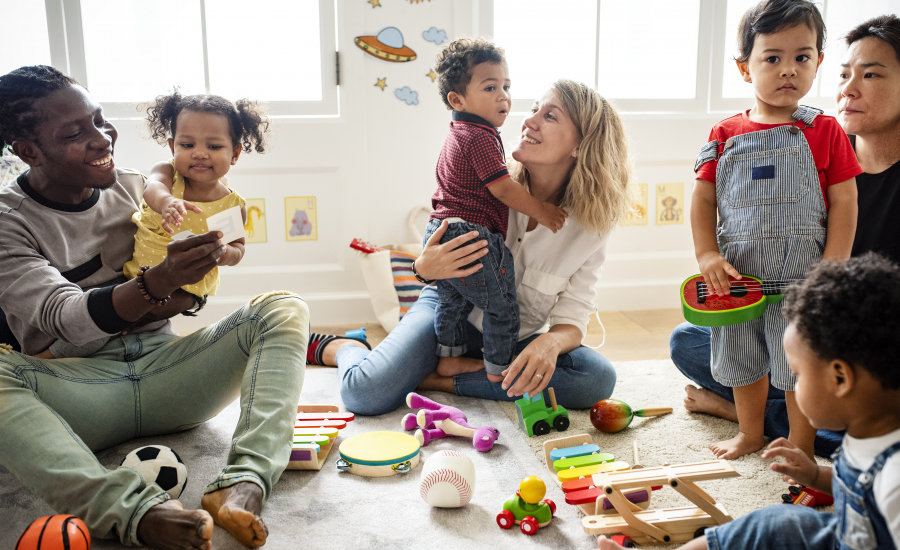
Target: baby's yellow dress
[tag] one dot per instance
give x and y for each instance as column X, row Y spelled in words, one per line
column 151, row 239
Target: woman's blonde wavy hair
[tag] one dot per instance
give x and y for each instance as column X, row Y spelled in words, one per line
column 597, row 194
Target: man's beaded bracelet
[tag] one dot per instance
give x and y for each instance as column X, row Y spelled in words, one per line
column 419, row 277
column 140, row 281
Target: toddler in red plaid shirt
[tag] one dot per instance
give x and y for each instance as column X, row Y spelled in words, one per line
column 475, row 193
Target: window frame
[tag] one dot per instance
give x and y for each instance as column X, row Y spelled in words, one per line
column 711, row 48
column 67, row 53
column 697, row 104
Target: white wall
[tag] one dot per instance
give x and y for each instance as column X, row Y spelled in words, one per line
column 370, row 166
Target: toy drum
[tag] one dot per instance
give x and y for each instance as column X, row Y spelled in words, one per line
column 379, row 454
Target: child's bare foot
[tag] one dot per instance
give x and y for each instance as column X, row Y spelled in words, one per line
column 704, row 401
column 169, row 525
column 236, row 509
column 738, row 446
column 451, row 366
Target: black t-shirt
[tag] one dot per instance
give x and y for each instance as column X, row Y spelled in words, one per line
column 878, row 225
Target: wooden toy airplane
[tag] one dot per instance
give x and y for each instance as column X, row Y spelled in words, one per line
column 617, row 502
column 668, row 525
column 315, row 430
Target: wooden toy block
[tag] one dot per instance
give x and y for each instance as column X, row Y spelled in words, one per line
column 588, row 471
column 581, row 461
column 570, row 452
column 315, row 432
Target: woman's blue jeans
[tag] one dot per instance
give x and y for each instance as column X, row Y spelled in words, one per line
column 376, row 382
column 690, row 349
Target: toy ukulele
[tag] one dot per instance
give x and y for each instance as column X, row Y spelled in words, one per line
column 747, row 301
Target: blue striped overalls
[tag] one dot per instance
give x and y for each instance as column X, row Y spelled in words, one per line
column 771, row 226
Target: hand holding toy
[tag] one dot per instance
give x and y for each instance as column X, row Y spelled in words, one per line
column 612, row 415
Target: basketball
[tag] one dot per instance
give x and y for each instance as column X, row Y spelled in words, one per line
column 58, row 532
column 448, row 480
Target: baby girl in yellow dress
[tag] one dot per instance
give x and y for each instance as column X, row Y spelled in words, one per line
column 206, row 134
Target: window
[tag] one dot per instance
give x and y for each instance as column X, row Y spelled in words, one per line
column 650, row 55
column 644, row 54
column 24, row 39
column 129, row 51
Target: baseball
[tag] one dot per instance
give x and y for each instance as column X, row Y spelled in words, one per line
column 448, row 480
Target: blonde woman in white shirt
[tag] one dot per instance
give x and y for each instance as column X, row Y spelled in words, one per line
column 573, row 153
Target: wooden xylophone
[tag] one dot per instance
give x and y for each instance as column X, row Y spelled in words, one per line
column 315, row 430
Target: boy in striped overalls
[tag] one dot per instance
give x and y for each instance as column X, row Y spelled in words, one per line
column 782, row 178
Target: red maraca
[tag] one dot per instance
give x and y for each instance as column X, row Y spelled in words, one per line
column 612, row 415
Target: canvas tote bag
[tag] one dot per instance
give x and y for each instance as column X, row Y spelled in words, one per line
column 387, row 271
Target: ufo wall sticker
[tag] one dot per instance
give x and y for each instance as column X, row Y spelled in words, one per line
column 387, row 45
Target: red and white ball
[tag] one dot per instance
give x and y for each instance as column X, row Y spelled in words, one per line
column 448, row 480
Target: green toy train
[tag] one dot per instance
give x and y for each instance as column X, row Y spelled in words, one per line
column 535, row 417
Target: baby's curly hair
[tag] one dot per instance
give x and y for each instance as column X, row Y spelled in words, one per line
column 454, row 64
column 850, row 310
column 246, row 119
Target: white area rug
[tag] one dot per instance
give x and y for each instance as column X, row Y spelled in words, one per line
column 328, row 509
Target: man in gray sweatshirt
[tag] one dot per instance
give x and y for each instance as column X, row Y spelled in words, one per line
column 65, row 233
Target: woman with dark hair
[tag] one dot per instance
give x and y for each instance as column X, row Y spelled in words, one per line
column 868, row 98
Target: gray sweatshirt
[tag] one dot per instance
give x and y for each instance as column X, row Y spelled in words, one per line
column 60, row 262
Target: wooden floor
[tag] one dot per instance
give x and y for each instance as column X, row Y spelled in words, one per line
column 630, row 335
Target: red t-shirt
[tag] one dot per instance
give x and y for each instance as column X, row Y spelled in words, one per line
column 471, row 160
column 835, row 160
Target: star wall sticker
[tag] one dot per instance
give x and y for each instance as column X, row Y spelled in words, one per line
column 375, row 3
column 432, row 75
column 382, row 83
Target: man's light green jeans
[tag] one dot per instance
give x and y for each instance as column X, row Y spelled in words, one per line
column 54, row 413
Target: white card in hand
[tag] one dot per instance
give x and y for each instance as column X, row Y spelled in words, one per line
column 229, row 222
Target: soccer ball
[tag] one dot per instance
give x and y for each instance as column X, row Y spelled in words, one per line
column 160, row 465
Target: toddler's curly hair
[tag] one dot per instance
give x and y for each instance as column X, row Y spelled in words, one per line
column 850, row 310
column 246, row 120
column 454, row 64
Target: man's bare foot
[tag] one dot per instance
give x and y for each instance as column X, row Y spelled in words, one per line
column 704, row 401
column 738, row 446
column 236, row 509
column 451, row 366
column 329, row 352
column 168, row 525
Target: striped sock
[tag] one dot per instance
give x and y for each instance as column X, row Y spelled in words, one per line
column 317, row 343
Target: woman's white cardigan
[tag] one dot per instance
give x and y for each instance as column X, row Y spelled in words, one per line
column 556, row 275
